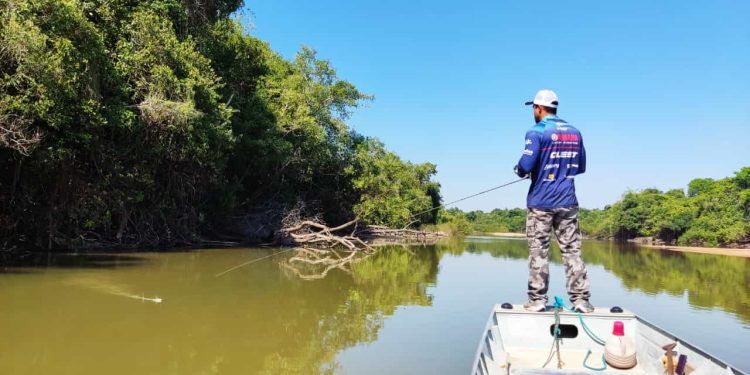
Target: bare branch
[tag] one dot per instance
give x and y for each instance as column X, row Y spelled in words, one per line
column 16, row 135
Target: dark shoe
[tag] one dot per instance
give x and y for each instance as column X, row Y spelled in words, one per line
column 583, row 306
column 535, row 306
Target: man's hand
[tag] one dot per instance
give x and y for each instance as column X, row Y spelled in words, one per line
column 515, row 170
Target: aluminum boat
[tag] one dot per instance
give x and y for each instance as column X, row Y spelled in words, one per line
column 519, row 342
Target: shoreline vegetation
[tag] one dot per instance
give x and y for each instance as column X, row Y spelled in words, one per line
column 160, row 124
column 712, row 214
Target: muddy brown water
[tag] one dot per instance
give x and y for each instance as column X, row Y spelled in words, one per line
column 407, row 310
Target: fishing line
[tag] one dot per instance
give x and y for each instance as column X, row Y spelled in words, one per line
column 251, row 262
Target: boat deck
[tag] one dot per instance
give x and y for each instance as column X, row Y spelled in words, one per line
column 529, row 360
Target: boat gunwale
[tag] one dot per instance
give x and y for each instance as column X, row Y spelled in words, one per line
column 692, row 347
column 478, row 352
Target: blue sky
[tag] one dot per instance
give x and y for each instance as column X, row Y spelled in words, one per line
column 659, row 89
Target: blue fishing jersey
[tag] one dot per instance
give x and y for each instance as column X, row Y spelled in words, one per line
column 553, row 156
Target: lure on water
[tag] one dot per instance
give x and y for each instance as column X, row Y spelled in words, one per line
column 154, row 300
column 107, row 287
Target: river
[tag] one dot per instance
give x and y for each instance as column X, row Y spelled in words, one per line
column 406, row 310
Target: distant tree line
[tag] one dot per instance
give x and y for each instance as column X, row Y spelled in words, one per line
column 155, row 123
column 711, row 212
column 496, row 221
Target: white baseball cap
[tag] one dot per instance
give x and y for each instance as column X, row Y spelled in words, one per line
column 545, row 97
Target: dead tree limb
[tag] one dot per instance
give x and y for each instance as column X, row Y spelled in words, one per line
column 322, row 249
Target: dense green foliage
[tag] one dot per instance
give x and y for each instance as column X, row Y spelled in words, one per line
column 509, row 220
column 452, row 222
column 151, row 122
column 714, row 212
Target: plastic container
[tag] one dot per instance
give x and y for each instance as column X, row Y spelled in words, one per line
column 619, row 350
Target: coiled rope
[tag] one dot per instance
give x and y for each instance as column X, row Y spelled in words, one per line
column 558, row 307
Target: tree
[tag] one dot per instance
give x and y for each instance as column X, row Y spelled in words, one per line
column 699, row 185
column 742, row 178
column 390, row 191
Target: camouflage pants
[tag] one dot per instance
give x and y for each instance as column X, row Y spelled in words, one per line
column 539, row 225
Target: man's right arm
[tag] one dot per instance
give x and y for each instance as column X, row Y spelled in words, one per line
column 530, row 154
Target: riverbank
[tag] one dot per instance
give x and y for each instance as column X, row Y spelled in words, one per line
column 734, row 252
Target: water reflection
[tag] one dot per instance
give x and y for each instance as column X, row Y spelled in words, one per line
column 398, row 276
column 708, row 280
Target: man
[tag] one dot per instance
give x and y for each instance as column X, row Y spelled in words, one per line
column 553, row 156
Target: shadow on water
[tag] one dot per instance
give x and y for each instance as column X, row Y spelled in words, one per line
column 709, row 281
column 32, row 262
column 16, row 271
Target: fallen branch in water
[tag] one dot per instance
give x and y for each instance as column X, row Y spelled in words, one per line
column 321, row 248
column 409, row 235
column 313, row 232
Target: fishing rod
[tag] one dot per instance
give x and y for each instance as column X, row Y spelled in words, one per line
column 470, row 196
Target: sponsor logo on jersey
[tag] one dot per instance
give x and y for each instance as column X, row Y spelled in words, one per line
column 528, row 152
column 563, row 154
column 572, row 165
column 569, row 137
column 550, row 166
column 564, row 137
column 528, row 141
